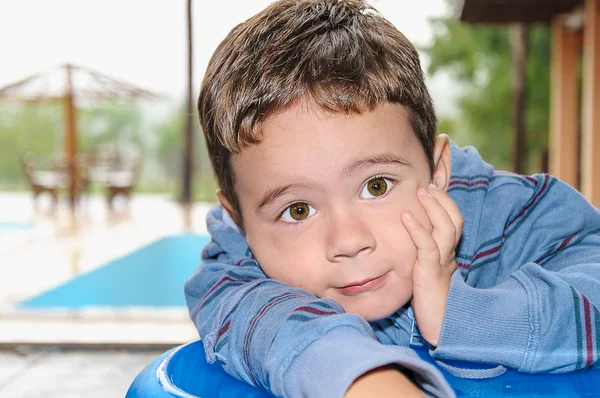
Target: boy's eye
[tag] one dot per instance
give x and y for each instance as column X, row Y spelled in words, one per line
column 375, row 187
column 297, row 212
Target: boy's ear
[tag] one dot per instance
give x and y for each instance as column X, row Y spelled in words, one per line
column 227, row 205
column 442, row 162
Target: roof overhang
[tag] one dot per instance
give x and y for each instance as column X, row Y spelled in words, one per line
column 510, row 11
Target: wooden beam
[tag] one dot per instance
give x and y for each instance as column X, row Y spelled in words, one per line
column 564, row 96
column 590, row 157
column 511, row 11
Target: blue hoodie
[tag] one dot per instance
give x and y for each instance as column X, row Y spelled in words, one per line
column 526, row 296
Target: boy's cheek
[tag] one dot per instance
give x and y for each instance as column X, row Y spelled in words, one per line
column 270, row 261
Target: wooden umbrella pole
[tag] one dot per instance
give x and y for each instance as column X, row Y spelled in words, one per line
column 70, row 142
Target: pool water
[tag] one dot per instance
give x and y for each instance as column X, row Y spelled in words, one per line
column 152, row 276
column 9, row 228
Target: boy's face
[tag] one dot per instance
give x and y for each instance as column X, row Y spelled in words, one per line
column 321, row 197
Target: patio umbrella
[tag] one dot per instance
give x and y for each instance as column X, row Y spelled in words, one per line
column 68, row 84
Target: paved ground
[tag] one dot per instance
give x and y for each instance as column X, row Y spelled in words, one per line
column 51, row 373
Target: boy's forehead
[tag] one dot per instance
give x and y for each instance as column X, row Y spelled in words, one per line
column 309, row 112
column 301, row 135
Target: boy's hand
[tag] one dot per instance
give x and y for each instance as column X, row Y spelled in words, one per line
column 435, row 259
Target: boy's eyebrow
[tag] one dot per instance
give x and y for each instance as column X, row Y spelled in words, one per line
column 382, row 158
column 272, row 194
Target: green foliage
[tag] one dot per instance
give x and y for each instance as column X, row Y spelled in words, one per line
column 110, row 124
column 24, row 128
column 169, row 152
column 479, row 58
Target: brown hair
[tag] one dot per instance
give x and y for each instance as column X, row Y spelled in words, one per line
column 341, row 54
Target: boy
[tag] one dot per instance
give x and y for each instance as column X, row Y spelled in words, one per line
column 336, row 237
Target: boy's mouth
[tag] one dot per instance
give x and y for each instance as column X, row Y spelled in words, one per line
column 363, row 286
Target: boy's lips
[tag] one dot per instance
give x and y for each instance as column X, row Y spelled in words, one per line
column 363, row 286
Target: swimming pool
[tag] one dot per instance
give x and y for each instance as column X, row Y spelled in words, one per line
column 9, row 228
column 152, row 276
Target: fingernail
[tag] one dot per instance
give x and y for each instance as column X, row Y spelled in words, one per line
column 408, row 215
column 422, row 192
column 432, row 186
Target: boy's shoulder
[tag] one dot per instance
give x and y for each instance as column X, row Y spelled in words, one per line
column 516, row 190
column 512, row 196
column 474, row 183
column 475, row 180
column 507, row 181
column 498, row 205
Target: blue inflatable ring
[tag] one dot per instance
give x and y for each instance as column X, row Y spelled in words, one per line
column 184, row 372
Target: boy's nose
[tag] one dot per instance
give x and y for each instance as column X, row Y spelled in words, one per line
column 348, row 236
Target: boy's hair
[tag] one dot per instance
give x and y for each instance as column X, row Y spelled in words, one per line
column 339, row 54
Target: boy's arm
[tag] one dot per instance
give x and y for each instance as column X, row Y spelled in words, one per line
column 282, row 339
column 541, row 311
column 383, row 383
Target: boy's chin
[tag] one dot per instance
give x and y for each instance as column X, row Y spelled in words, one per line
column 376, row 312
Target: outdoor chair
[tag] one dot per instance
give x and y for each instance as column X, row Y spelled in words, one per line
column 43, row 181
column 101, row 162
column 122, row 182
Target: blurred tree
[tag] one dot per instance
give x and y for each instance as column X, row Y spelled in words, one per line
column 169, row 148
column 24, row 128
column 170, row 152
column 111, row 125
column 479, row 59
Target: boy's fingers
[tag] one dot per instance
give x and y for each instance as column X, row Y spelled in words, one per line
column 444, row 230
column 451, row 208
column 427, row 249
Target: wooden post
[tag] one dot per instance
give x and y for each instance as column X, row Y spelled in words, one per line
column 518, row 41
column 564, row 115
column 590, row 157
column 70, row 142
column 188, row 141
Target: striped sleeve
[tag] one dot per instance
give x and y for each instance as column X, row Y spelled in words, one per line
column 533, row 283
